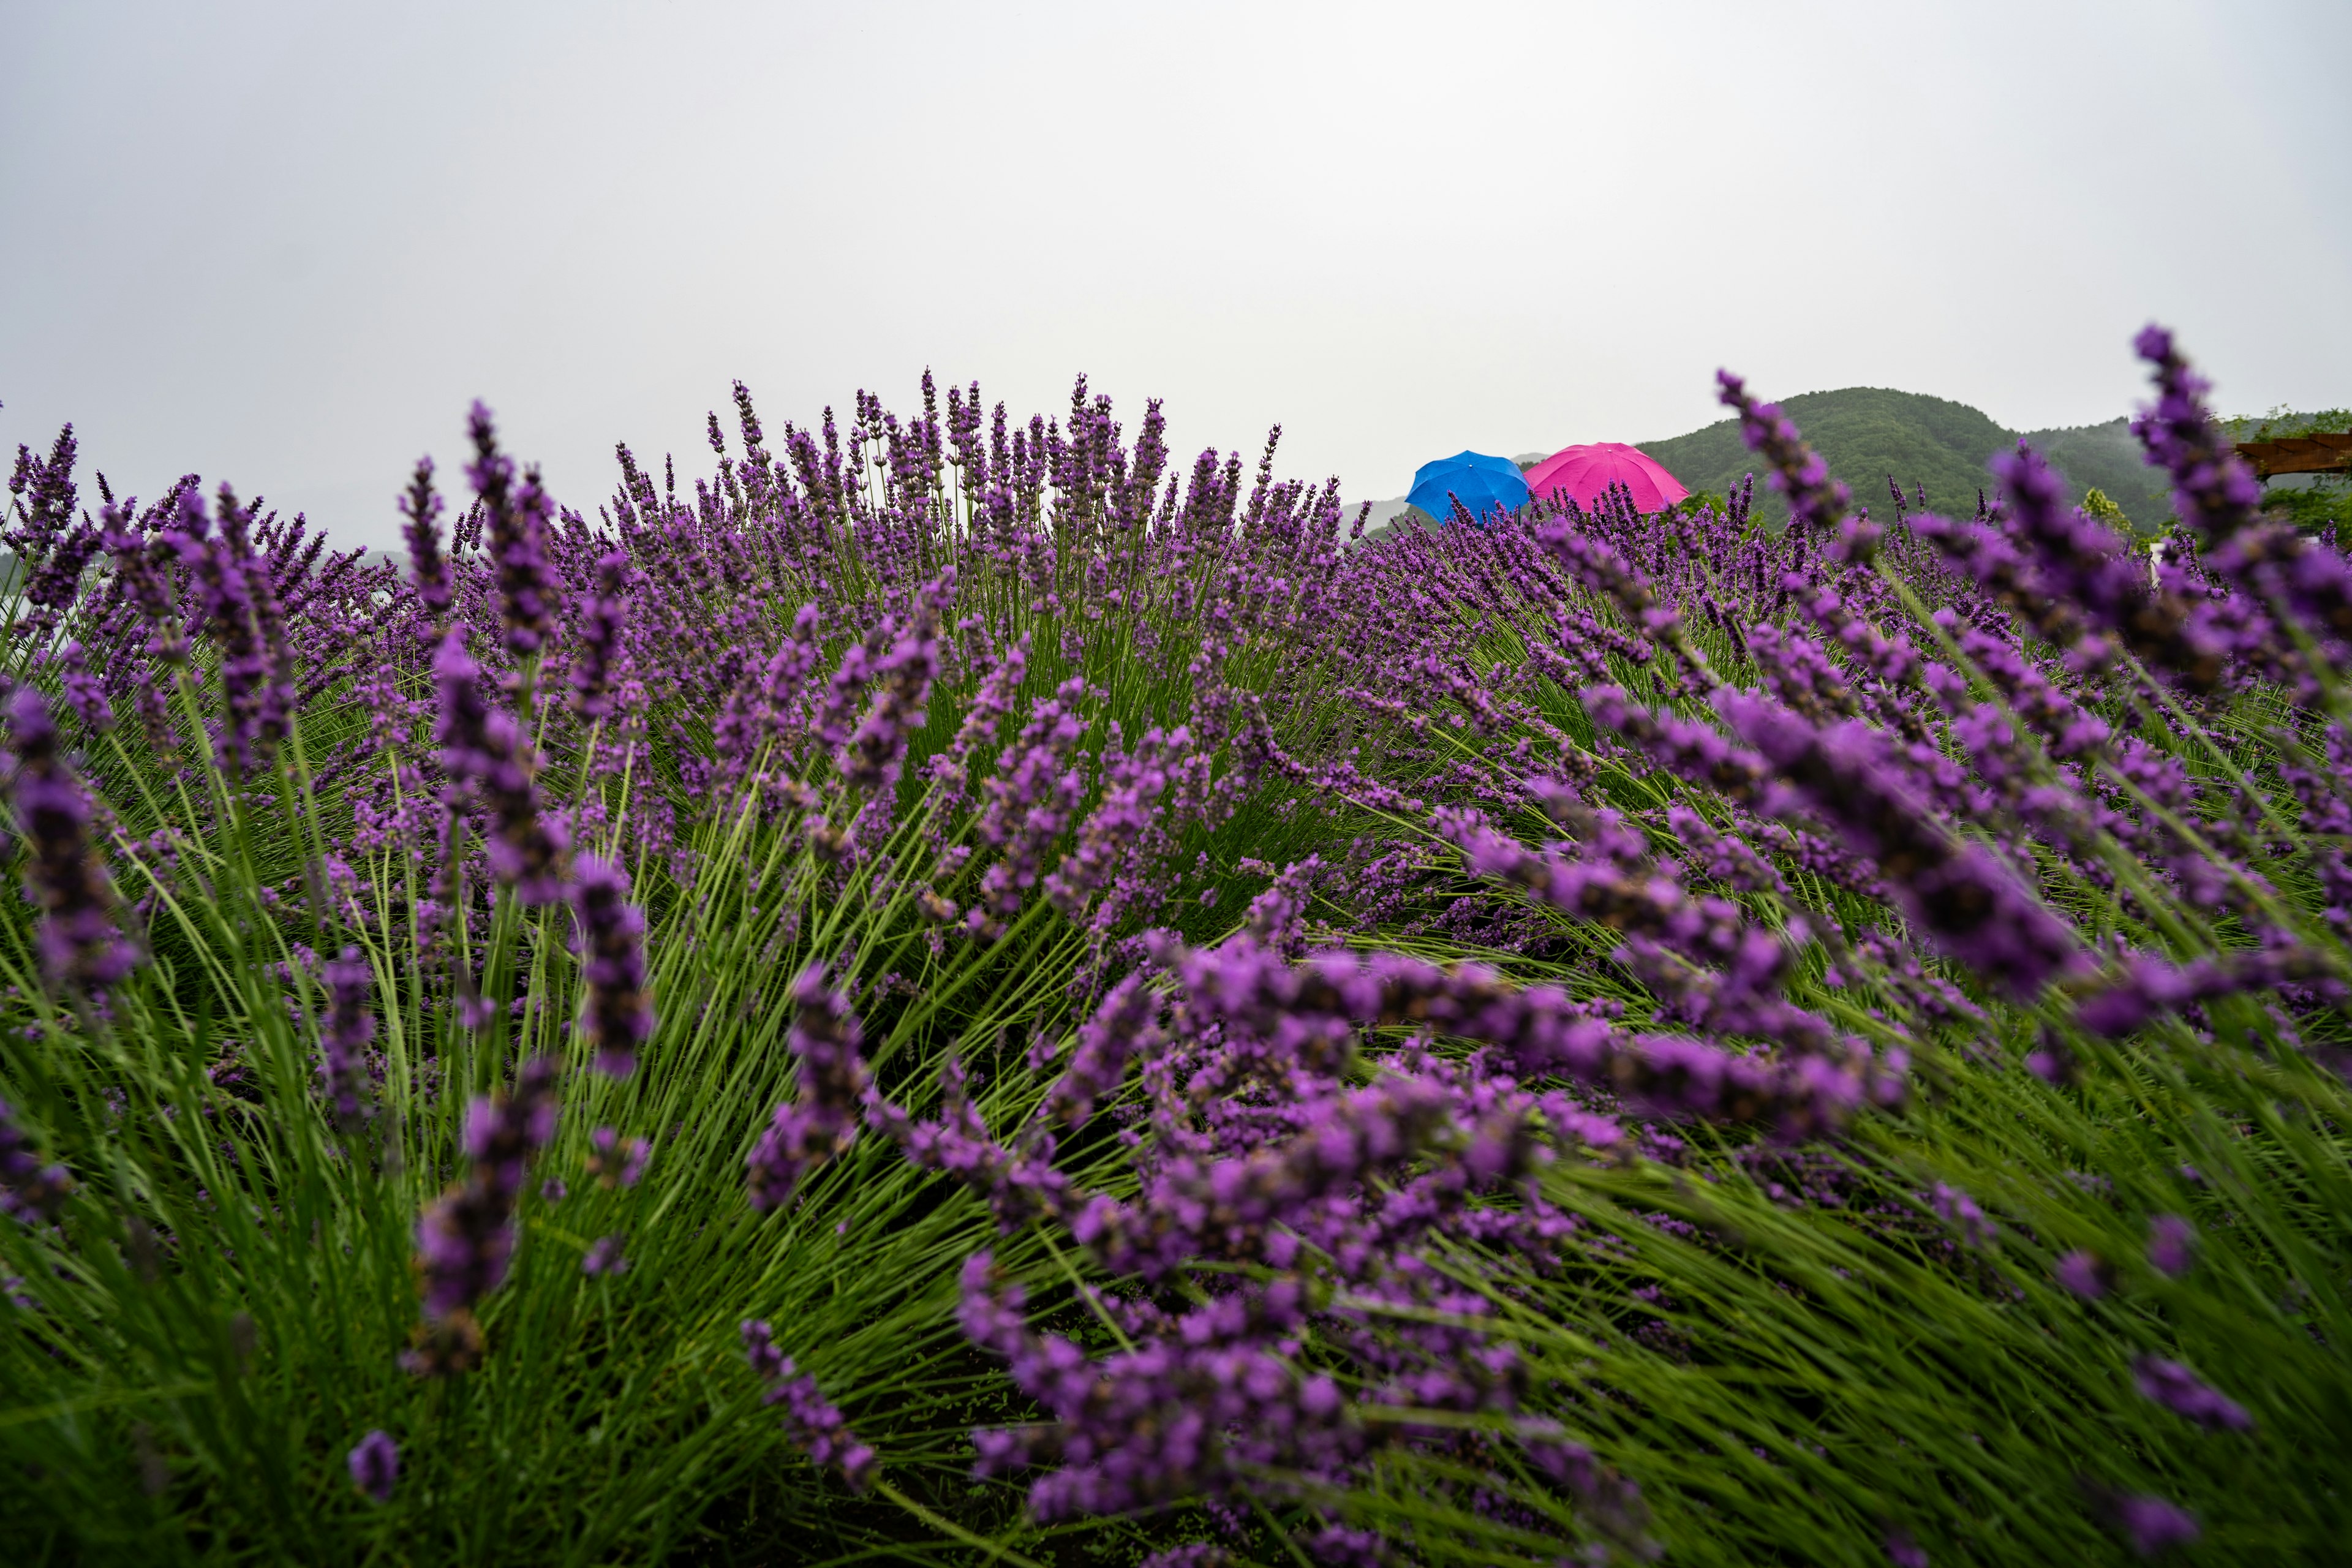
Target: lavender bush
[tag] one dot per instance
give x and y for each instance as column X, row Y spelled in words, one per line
column 964, row 991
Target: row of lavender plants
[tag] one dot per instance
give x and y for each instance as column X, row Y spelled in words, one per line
column 964, row 993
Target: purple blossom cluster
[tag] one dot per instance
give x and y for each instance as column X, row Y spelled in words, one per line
column 349, row 1026
column 465, row 1237
column 375, row 1465
column 80, row 940
column 30, row 1191
column 2182, row 1392
column 1309, row 1195
column 821, row 1120
column 613, row 933
column 815, row 1423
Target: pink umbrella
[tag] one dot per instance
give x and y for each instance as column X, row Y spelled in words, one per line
column 1584, row 472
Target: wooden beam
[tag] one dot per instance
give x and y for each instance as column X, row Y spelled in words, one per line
column 2314, row 454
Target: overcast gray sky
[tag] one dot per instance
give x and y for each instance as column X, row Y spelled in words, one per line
column 285, row 244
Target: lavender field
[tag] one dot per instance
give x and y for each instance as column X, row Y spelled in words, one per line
column 957, row 990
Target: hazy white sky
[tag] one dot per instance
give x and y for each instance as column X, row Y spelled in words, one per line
column 285, row 244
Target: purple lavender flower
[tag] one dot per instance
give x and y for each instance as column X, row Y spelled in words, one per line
column 615, row 1163
column 613, row 936
column 351, row 1025
column 428, row 568
column 517, row 520
column 1815, row 500
column 1901, row 1549
column 2083, row 1274
column 139, row 563
column 484, row 746
column 84, row 692
column 822, row 1120
column 2152, row 987
column 873, row 753
column 466, row 1238
column 1019, row 1182
column 760, row 1350
column 30, row 1192
column 2182, row 1392
column 55, row 582
column 1191, row 1554
column 1959, row 1210
column 1974, row 907
column 600, row 622
column 78, row 941
column 1131, row 819
column 1121, row 1026
column 1687, row 749
column 46, row 489
column 2213, row 489
column 375, row 1465
column 815, row 1426
column 240, row 604
column 1030, row 802
column 2172, row 1245
column 2077, row 584
column 2153, row 1525
column 603, row 1258
column 504, row 1131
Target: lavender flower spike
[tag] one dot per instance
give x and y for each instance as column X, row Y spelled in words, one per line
column 517, row 520
column 29, row 1191
column 485, row 745
column 600, row 638
column 2216, row 493
column 822, row 1122
column 1901, row 1549
column 2153, row 1525
column 465, row 1237
column 1798, row 471
column 343, row 1066
column 1959, row 1210
column 613, row 937
column 2183, row 1392
column 815, row 1426
column 1974, row 906
column 616, row 1163
column 427, row 566
column 375, row 1466
column 2172, row 1242
column 2083, row 1274
column 78, row 941
column 870, row 759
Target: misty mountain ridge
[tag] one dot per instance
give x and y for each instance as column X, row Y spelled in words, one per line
column 1868, row 434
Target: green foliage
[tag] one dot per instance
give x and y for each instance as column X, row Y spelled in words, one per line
column 2095, row 502
column 2282, row 422
column 2312, row 503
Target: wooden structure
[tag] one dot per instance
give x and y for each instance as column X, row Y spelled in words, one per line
column 2314, row 454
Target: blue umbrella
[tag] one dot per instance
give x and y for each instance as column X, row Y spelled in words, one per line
column 1481, row 483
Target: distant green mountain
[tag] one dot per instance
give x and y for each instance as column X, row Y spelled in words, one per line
column 1868, row 433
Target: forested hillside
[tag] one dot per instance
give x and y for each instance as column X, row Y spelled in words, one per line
column 1869, row 432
